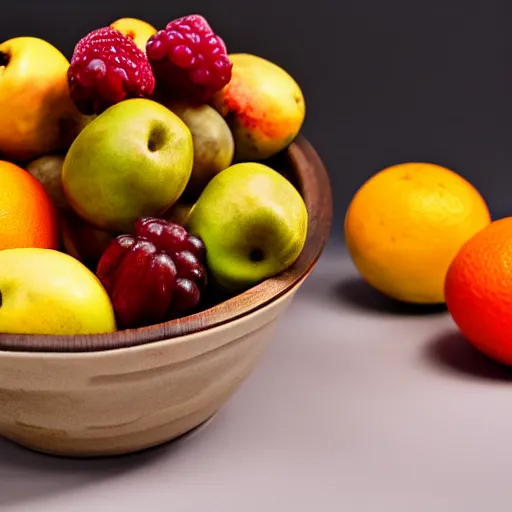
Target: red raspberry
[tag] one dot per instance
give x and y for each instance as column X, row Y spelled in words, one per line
column 106, row 68
column 155, row 275
column 188, row 59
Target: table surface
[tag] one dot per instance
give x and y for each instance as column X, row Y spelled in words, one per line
column 359, row 404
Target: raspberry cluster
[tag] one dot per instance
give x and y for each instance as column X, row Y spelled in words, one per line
column 107, row 67
column 186, row 60
column 154, row 275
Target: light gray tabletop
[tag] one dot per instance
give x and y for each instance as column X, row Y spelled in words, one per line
column 358, row 405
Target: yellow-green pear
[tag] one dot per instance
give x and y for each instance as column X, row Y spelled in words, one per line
column 253, row 223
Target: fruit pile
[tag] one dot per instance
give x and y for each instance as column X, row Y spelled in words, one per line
column 135, row 176
column 421, row 233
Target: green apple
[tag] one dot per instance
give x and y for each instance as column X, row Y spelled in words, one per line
column 133, row 160
column 214, row 146
column 253, row 223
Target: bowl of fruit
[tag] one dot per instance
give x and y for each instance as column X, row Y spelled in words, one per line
column 159, row 210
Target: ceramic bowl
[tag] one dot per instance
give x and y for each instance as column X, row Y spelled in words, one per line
column 111, row 394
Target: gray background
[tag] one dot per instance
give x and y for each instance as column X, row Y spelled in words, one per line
column 359, row 405
column 385, row 81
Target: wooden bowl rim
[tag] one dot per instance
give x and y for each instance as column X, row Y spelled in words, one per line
column 312, row 182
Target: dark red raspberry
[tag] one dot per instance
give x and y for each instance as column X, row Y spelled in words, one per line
column 154, row 275
column 107, row 67
column 188, row 59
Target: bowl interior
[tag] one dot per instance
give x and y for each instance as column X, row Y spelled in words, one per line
column 303, row 167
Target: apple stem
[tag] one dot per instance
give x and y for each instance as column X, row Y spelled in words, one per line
column 4, row 61
column 256, row 255
column 156, row 138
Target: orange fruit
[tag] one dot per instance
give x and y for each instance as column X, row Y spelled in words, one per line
column 404, row 226
column 28, row 217
column 478, row 290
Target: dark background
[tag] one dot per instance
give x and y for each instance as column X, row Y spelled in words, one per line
column 384, row 81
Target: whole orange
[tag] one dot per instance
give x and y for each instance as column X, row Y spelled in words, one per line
column 404, row 226
column 478, row 290
column 28, row 217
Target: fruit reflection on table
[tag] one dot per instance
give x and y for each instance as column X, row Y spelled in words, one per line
column 139, row 188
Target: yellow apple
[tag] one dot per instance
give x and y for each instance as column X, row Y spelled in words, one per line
column 37, row 115
column 264, row 107
column 137, row 30
column 48, row 292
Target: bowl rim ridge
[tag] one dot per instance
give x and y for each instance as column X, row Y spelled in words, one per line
column 311, row 179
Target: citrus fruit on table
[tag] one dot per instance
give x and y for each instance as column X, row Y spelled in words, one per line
column 404, row 226
column 478, row 290
column 28, row 217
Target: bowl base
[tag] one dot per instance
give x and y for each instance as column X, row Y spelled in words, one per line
column 54, row 451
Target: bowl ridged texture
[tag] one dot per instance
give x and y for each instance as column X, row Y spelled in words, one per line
column 114, row 402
